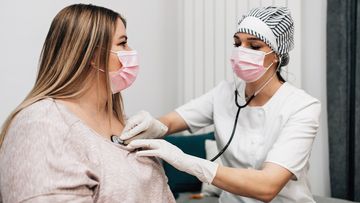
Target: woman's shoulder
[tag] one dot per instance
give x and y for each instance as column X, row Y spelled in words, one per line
column 43, row 113
column 37, row 108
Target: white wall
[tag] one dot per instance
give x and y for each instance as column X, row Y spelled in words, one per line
column 314, row 82
column 151, row 30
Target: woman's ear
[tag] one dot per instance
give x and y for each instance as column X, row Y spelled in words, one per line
column 93, row 58
column 93, row 64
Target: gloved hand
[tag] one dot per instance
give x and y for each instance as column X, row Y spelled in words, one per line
column 142, row 126
column 203, row 169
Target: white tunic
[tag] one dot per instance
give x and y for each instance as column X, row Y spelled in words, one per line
column 282, row 132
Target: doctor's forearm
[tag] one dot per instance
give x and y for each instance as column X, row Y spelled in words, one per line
column 174, row 122
column 251, row 183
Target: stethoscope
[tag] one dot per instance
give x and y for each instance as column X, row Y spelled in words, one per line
column 238, row 111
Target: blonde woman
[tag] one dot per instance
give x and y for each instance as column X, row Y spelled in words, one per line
column 55, row 146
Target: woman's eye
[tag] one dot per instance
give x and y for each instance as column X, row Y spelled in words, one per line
column 123, row 44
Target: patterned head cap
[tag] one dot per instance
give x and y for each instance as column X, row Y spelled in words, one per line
column 273, row 25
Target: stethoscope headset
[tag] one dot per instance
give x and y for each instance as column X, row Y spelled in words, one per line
column 243, row 106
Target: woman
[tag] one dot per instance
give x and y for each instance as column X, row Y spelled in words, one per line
column 56, row 144
column 268, row 158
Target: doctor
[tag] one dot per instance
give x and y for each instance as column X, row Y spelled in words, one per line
column 268, row 159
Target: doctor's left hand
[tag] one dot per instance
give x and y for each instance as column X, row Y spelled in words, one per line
column 142, row 126
column 203, row 169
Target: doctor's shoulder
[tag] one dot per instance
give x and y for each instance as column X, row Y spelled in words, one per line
column 299, row 101
column 225, row 87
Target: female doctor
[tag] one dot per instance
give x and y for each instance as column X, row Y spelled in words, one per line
column 268, row 158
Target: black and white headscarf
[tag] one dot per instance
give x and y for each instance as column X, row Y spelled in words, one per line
column 273, row 25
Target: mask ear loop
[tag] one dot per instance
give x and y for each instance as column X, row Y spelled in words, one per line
column 271, row 77
column 99, row 69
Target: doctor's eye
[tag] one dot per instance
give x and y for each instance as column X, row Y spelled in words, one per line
column 255, row 47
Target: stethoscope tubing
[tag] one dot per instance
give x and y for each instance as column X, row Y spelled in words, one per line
column 235, row 124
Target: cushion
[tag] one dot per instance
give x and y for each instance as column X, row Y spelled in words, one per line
column 193, row 145
column 186, row 198
column 211, row 151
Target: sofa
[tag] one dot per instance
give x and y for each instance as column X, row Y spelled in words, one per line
column 186, row 188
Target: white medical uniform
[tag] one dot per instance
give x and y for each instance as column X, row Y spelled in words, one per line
column 282, row 132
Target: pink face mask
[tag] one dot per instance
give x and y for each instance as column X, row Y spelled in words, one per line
column 126, row 75
column 248, row 64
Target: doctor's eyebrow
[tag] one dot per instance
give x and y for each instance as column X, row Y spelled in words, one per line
column 254, row 39
column 250, row 38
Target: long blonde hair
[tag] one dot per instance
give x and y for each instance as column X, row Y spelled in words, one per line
column 76, row 32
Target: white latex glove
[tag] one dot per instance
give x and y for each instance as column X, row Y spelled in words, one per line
column 142, row 126
column 203, row 169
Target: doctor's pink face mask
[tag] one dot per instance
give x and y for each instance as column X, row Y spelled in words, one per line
column 248, row 64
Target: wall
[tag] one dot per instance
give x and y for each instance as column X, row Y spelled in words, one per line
column 314, row 82
column 151, row 30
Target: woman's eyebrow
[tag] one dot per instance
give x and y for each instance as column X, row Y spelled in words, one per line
column 123, row 37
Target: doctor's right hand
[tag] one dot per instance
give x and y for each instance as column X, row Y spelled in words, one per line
column 203, row 169
column 142, row 126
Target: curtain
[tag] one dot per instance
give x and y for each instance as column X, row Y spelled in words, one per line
column 343, row 97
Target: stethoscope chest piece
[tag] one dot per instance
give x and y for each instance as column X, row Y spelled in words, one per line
column 115, row 139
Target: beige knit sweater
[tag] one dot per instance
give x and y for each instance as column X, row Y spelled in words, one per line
column 49, row 155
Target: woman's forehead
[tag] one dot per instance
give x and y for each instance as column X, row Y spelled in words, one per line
column 120, row 28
